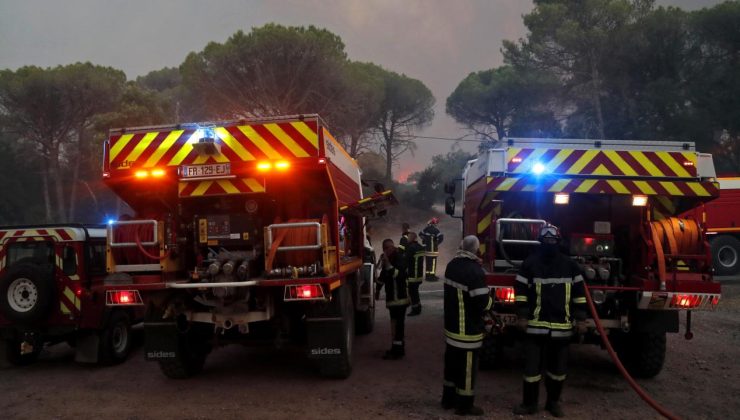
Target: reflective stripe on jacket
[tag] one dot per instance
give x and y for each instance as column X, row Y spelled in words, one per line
column 394, row 279
column 431, row 237
column 415, row 262
column 466, row 298
column 549, row 292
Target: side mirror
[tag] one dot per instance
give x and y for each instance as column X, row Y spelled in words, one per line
column 450, row 206
column 450, row 189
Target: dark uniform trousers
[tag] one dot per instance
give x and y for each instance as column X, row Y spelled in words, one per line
column 461, row 371
column 398, row 314
column 541, row 350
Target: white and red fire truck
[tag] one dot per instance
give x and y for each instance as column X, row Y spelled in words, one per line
column 245, row 231
column 723, row 226
column 615, row 203
column 52, row 291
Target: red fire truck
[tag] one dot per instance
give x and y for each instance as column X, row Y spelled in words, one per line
column 615, row 203
column 52, row 290
column 245, row 231
column 723, row 226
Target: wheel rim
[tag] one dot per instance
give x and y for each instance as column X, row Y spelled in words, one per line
column 22, row 295
column 119, row 338
column 727, row 256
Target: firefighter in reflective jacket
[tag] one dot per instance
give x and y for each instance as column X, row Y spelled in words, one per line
column 466, row 299
column 405, row 230
column 415, row 268
column 549, row 295
column 393, row 276
column 432, row 238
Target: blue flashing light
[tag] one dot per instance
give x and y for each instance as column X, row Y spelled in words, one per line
column 111, row 221
column 538, row 168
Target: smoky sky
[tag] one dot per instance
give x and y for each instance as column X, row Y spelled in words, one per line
column 436, row 41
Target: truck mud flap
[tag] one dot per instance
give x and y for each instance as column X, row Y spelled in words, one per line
column 160, row 341
column 325, row 337
column 654, row 321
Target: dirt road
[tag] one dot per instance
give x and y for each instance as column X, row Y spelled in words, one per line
column 701, row 378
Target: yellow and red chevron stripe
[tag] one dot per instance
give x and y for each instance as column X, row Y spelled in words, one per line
column 22, row 235
column 605, row 186
column 487, row 210
column 219, row 187
column 603, row 162
column 237, row 143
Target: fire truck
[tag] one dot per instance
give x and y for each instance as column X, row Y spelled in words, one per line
column 723, row 226
column 246, row 231
column 616, row 204
column 52, row 291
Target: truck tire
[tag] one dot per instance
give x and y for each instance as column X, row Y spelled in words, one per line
column 115, row 339
column 189, row 362
column 341, row 367
column 13, row 353
column 25, row 294
column 643, row 353
column 490, row 352
column 726, row 255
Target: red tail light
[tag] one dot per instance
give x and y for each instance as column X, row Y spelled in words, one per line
column 685, row 301
column 505, row 294
column 123, row 297
column 304, row 292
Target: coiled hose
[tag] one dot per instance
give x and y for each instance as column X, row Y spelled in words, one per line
column 640, row 392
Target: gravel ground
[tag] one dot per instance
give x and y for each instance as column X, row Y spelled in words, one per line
column 700, row 380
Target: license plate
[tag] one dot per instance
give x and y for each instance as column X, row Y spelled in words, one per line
column 196, row 171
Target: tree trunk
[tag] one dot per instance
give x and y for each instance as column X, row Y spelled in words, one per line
column 56, row 175
column 596, row 99
column 388, row 159
column 75, row 175
column 354, row 142
column 47, row 203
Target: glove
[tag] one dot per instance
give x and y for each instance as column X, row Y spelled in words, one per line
column 521, row 324
column 581, row 327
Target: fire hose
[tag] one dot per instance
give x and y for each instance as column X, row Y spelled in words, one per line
column 605, row 340
column 145, row 252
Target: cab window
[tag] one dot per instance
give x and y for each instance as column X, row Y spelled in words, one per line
column 96, row 257
column 37, row 252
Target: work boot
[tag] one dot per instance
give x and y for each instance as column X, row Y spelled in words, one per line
column 524, row 410
column 469, row 411
column 554, row 389
column 449, row 399
column 396, row 352
column 415, row 310
column 554, row 408
column 530, row 397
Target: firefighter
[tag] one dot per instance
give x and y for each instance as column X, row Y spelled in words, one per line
column 549, row 295
column 466, row 299
column 393, row 276
column 415, row 267
column 405, row 230
column 432, row 238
